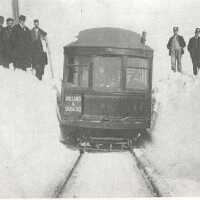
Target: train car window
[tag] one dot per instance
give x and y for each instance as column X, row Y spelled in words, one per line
column 106, row 73
column 78, row 71
column 137, row 73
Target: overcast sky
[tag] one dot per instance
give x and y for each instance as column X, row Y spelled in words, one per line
column 63, row 19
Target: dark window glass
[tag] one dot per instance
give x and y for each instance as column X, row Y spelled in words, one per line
column 137, row 73
column 106, row 73
column 78, row 71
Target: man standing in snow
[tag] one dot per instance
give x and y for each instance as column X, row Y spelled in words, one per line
column 7, row 48
column 1, row 42
column 175, row 45
column 194, row 49
column 21, row 44
column 39, row 57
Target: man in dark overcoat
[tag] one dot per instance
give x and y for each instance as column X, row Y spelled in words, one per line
column 6, row 38
column 1, row 42
column 175, row 45
column 194, row 49
column 39, row 57
column 21, row 44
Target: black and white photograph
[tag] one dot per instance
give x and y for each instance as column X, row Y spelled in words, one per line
column 99, row 98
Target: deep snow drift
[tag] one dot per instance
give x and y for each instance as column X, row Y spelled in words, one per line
column 32, row 161
column 176, row 137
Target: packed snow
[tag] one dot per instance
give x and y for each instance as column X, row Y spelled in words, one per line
column 106, row 175
column 32, row 160
column 175, row 143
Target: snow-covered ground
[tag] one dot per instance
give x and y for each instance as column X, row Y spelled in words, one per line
column 106, row 175
column 175, row 145
column 32, row 161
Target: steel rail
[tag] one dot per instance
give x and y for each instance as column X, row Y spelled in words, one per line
column 59, row 190
column 153, row 179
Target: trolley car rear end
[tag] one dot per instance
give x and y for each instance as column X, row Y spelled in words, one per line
column 107, row 83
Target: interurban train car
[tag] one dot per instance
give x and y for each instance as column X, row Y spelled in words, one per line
column 106, row 85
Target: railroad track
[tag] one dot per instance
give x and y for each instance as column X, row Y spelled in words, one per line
column 154, row 180
column 156, row 186
column 59, row 190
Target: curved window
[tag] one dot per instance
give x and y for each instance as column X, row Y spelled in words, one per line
column 137, row 73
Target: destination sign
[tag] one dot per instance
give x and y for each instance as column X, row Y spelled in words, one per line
column 73, row 98
column 73, row 103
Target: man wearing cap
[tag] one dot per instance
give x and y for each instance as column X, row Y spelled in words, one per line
column 175, row 45
column 1, row 42
column 7, row 47
column 21, row 44
column 39, row 58
column 194, row 49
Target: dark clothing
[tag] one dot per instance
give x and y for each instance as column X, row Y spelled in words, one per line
column 196, row 65
column 39, row 71
column 181, row 42
column 194, row 49
column 176, row 60
column 37, row 53
column 7, row 46
column 21, row 44
column 36, row 47
column 1, row 45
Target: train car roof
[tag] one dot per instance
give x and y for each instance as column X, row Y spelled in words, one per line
column 109, row 37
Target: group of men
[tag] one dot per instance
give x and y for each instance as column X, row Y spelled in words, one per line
column 176, row 46
column 23, row 47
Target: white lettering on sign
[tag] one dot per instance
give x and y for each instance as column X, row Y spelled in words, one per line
column 73, row 103
column 73, row 109
column 73, row 98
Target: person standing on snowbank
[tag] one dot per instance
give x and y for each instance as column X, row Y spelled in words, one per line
column 1, row 41
column 39, row 57
column 175, row 45
column 7, row 47
column 21, row 45
column 194, row 49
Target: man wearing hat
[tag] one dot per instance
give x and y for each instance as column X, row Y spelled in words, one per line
column 1, row 42
column 21, row 44
column 194, row 49
column 7, row 47
column 175, row 45
column 39, row 57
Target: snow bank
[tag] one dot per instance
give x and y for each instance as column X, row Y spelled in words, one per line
column 175, row 145
column 32, row 161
